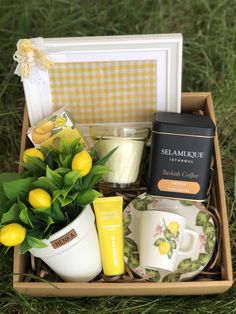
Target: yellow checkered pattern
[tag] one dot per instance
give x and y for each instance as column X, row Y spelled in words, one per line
column 102, row 92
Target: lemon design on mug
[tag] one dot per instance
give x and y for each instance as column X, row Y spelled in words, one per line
column 173, row 227
column 164, row 247
column 168, row 237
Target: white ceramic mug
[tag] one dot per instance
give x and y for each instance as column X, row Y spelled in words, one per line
column 163, row 237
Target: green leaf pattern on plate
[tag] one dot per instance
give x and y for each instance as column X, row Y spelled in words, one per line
column 130, row 247
column 187, row 265
column 142, row 204
column 153, row 275
column 172, row 277
column 202, row 218
column 133, row 260
column 186, row 203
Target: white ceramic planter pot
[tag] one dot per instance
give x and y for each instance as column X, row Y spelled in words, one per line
column 73, row 252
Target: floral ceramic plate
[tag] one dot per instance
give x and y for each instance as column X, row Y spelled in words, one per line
column 198, row 220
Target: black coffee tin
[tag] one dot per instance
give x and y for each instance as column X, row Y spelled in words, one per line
column 180, row 157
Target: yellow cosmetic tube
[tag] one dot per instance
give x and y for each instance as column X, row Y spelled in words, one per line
column 108, row 212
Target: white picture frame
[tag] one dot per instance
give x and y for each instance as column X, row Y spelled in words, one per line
column 166, row 49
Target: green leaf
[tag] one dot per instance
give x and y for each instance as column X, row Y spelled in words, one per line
column 47, row 211
column 209, row 246
column 133, row 260
column 36, row 233
column 154, row 275
column 203, row 258
column 35, row 243
column 71, row 177
column 185, row 266
column 158, row 241
column 57, row 213
column 103, row 160
column 173, row 244
column 65, row 191
column 37, row 162
column 141, row 204
column 1, row 213
column 74, row 195
column 170, row 254
column 67, row 162
column 186, row 203
column 95, row 174
column 87, row 197
column 9, row 176
column 127, row 219
column 202, row 218
column 65, row 201
column 95, row 180
column 173, row 277
column 55, row 195
column 209, row 230
column 195, row 266
column 75, row 143
column 129, row 247
column 63, row 170
column 35, row 165
column 16, row 188
column 25, row 246
column 3, row 201
column 127, row 231
column 78, row 149
column 168, row 235
column 26, row 216
column 65, row 146
column 45, row 184
column 12, row 215
column 51, row 157
column 54, row 177
column 50, row 222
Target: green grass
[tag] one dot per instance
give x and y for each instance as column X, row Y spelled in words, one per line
column 209, row 31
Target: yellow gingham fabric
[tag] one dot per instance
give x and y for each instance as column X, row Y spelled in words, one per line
column 100, row 92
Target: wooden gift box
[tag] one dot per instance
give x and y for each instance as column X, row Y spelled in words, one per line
column 190, row 103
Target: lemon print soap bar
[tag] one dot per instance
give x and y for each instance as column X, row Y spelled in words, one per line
column 50, row 130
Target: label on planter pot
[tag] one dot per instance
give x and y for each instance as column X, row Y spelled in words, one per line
column 66, row 238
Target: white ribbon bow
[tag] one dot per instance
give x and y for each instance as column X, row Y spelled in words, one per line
column 30, row 60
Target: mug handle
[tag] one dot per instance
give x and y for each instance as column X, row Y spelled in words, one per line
column 194, row 236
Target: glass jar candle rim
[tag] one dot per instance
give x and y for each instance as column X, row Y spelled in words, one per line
column 124, row 132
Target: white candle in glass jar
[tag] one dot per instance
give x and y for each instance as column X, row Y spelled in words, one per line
column 125, row 161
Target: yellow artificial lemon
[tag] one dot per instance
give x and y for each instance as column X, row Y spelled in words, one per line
column 32, row 152
column 39, row 198
column 40, row 138
column 12, row 234
column 173, row 227
column 82, row 162
column 164, row 247
column 45, row 127
column 60, row 121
